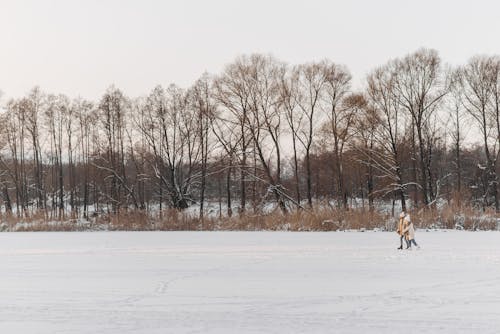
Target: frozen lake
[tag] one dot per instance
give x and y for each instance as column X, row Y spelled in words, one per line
column 249, row 282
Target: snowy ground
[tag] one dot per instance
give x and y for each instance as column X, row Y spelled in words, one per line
column 248, row 282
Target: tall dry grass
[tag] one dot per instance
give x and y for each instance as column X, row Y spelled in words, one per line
column 319, row 219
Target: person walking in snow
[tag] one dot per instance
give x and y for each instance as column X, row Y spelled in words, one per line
column 400, row 228
column 409, row 232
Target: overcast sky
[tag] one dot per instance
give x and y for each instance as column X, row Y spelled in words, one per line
column 80, row 47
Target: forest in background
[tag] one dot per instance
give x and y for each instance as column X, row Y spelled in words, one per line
column 269, row 144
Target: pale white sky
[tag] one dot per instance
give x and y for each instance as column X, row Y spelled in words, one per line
column 80, row 47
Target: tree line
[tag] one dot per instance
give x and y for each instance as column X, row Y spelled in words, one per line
column 417, row 132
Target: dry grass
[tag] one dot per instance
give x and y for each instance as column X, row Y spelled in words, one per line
column 320, row 219
column 451, row 217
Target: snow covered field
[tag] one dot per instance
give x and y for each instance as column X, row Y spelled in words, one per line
column 249, row 282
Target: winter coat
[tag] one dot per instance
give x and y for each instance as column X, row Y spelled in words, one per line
column 400, row 226
column 409, row 230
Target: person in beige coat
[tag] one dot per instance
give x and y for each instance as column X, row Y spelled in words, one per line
column 409, row 232
column 400, row 228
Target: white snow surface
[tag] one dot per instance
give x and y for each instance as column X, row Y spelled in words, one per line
column 249, row 282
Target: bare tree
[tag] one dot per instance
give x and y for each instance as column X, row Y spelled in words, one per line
column 85, row 114
column 456, row 121
column 114, row 108
column 310, row 80
column 5, row 170
column 368, row 123
column 264, row 120
column 54, row 117
column 341, row 111
column 290, row 95
column 33, row 109
column 386, row 158
column 419, row 87
column 232, row 93
column 16, row 134
column 478, row 80
column 201, row 99
column 228, row 138
column 172, row 135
